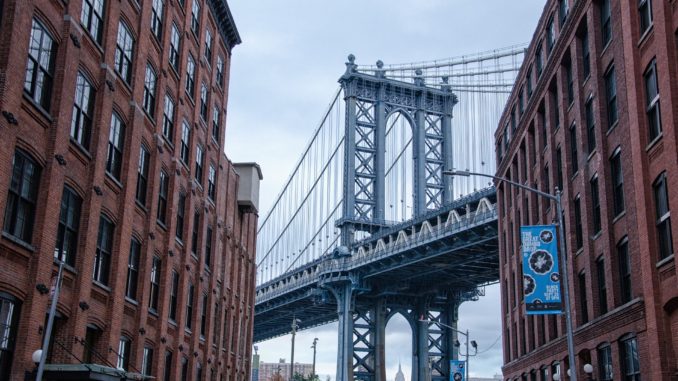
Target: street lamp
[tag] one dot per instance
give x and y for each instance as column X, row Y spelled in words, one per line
column 314, row 345
column 474, row 344
column 295, row 325
column 563, row 249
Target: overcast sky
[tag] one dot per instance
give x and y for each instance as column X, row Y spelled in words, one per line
column 283, row 76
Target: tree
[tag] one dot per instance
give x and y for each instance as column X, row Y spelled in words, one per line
column 301, row 377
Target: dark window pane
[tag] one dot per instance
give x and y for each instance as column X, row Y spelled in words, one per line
column 22, row 197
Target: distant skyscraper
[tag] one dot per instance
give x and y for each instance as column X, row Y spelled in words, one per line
column 400, row 376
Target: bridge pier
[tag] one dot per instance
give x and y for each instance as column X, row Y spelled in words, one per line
column 343, row 292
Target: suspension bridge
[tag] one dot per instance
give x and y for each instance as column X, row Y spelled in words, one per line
column 367, row 224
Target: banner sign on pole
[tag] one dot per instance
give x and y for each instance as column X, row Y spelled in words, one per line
column 457, row 370
column 541, row 277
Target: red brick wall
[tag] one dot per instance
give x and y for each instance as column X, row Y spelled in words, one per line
column 230, row 283
column 649, row 314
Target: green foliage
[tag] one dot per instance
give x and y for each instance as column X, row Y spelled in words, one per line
column 301, row 377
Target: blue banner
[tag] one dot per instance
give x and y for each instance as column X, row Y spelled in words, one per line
column 541, row 277
column 457, row 370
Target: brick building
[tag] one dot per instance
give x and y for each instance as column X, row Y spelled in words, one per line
column 113, row 116
column 593, row 112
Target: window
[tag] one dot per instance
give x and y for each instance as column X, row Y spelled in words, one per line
column 602, row 288
column 550, row 36
column 198, row 371
column 189, row 306
column 142, row 175
column 185, row 136
column 9, row 323
column 573, row 149
column 168, row 366
column 208, row 47
column 645, row 13
column 67, row 232
column 555, row 103
column 586, row 54
column 162, row 197
column 559, row 168
column 199, row 158
column 147, row 361
column 528, row 81
column 625, row 286
column 538, row 61
column 174, row 290
column 91, row 18
column 92, row 336
column 195, row 18
column 661, row 202
column 157, row 9
column 40, row 65
column 611, row 97
column 175, row 45
column 116, row 139
column 514, row 125
column 123, row 53
column 590, row 126
column 211, row 183
column 629, row 358
column 220, row 71
column 208, row 247
column 83, row 111
column 184, row 369
column 168, row 119
column 542, row 122
column 190, row 76
column 605, row 363
column 22, row 197
column 203, row 317
column 521, row 104
column 652, row 93
column 570, row 82
column 195, row 234
column 605, row 21
column 617, row 182
column 563, row 9
column 583, row 300
column 124, row 347
column 216, row 117
column 578, row 234
column 180, row 216
column 149, row 91
column 102, row 259
column 133, row 269
column 216, row 326
column 203, row 101
column 155, row 284
column 595, row 205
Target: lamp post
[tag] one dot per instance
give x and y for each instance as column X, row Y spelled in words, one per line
column 314, row 345
column 563, row 249
column 50, row 323
column 457, row 344
column 295, row 325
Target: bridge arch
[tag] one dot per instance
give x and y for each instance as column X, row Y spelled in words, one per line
column 399, row 166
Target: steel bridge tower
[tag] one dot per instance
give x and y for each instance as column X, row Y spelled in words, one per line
column 370, row 101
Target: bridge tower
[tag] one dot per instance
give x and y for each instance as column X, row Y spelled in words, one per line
column 371, row 100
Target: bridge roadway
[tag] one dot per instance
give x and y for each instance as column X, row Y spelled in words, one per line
column 442, row 255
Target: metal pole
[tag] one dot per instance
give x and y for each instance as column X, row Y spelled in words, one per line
column 294, row 332
column 315, row 343
column 566, row 286
column 467, row 340
column 50, row 323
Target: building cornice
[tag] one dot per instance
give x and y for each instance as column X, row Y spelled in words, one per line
column 225, row 22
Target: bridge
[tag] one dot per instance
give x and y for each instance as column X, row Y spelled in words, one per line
column 368, row 226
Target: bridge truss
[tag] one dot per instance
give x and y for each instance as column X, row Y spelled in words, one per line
column 368, row 226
